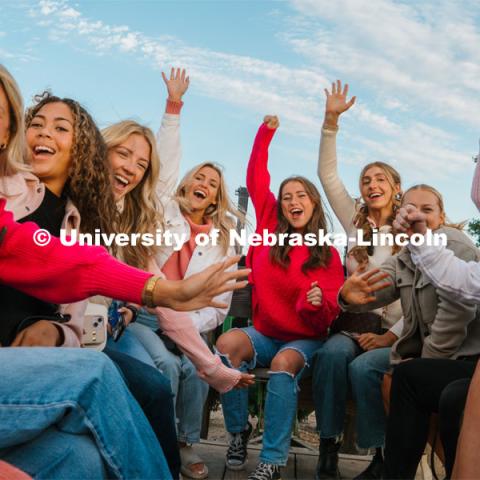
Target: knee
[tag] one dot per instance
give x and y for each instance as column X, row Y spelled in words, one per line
column 453, row 398
column 283, row 363
column 226, row 344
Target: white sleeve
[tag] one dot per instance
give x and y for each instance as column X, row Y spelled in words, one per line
column 397, row 328
column 448, row 272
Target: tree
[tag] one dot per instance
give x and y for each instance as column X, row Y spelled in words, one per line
column 474, row 230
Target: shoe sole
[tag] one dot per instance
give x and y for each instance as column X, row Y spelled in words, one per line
column 236, row 468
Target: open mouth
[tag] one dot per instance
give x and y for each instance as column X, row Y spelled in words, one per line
column 121, row 182
column 43, row 150
column 296, row 213
column 373, row 196
column 200, row 194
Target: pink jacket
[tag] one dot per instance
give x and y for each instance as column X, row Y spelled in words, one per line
column 24, row 193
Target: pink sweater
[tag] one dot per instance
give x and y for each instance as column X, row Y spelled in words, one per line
column 280, row 307
column 60, row 274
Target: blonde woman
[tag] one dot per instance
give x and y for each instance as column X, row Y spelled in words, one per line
column 342, row 361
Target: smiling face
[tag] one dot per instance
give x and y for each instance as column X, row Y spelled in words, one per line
column 297, row 206
column 4, row 118
column 50, row 139
column 376, row 189
column 202, row 190
column 129, row 161
column 428, row 203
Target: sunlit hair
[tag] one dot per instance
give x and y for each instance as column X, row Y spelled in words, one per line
column 12, row 158
column 141, row 211
column 427, row 188
column 361, row 218
column 88, row 185
column 222, row 214
column 319, row 255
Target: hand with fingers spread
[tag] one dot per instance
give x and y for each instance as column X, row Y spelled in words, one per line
column 410, row 220
column 336, row 103
column 199, row 290
column 314, row 295
column 177, row 84
column 359, row 288
column 271, row 121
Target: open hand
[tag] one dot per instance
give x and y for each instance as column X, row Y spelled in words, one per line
column 336, row 103
column 177, row 84
column 358, row 289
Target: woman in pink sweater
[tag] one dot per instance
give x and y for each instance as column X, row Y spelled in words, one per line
column 294, row 302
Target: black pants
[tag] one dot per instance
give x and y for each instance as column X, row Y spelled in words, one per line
column 421, row 387
column 153, row 392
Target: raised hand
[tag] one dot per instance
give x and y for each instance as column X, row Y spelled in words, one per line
column 177, row 84
column 336, row 102
column 410, row 220
column 358, row 289
column 271, row 121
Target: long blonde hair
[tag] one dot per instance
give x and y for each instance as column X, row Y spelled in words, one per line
column 13, row 157
column 438, row 195
column 361, row 218
column 222, row 214
column 141, row 209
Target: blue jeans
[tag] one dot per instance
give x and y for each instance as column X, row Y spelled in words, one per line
column 130, row 345
column 79, row 393
column 366, row 376
column 330, row 383
column 190, row 392
column 337, row 364
column 281, row 401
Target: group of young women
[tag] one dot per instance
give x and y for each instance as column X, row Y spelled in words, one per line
column 60, row 171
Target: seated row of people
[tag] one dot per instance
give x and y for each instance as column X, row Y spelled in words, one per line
column 123, row 179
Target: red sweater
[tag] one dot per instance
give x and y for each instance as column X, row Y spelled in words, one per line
column 61, row 274
column 280, row 307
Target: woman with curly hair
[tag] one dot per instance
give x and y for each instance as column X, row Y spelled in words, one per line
column 344, row 361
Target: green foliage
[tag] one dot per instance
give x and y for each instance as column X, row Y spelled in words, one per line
column 474, row 230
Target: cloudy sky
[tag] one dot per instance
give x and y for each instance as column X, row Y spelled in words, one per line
column 414, row 67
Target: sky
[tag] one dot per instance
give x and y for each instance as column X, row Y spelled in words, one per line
column 413, row 66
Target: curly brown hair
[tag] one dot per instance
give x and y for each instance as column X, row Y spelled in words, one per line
column 88, row 185
column 319, row 255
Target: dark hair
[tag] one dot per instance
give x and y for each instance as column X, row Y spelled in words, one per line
column 319, row 255
column 88, row 185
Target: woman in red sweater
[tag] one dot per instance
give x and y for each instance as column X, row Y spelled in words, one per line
column 294, row 302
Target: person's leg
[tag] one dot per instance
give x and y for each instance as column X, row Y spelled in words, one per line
column 74, row 389
column 416, row 389
column 130, row 345
column 331, row 383
column 466, row 460
column 366, row 376
column 152, row 391
column 57, row 455
column 450, row 414
column 281, row 402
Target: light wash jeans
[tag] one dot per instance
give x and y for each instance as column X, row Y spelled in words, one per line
column 74, row 397
column 190, row 392
column 339, row 363
column 129, row 344
column 281, row 400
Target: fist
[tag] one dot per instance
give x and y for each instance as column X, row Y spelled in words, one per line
column 271, row 121
column 314, row 295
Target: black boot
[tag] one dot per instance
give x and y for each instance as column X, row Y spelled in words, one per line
column 374, row 470
column 327, row 466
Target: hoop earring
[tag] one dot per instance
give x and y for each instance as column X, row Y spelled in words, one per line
column 398, row 196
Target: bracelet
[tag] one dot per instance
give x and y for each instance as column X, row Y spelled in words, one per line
column 134, row 311
column 147, row 293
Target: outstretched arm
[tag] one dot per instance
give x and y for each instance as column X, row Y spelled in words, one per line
column 340, row 200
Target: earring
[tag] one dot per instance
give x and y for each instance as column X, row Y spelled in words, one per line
column 3, row 146
column 398, row 196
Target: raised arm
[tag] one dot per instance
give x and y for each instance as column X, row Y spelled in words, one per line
column 340, row 200
column 258, row 176
column 168, row 137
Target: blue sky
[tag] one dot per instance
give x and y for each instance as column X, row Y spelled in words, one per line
column 414, row 67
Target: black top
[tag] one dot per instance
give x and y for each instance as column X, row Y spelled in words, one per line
column 15, row 306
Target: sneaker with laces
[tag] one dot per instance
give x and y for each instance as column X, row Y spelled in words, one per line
column 265, row 471
column 237, row 449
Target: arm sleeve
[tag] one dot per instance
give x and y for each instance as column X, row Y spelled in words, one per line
column 339, row 199
column 448, row 272
column 475, row 194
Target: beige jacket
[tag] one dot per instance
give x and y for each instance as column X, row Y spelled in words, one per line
column 437, row 324
column 24, row 193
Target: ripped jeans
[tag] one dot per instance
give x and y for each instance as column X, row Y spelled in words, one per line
column 281, row 401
